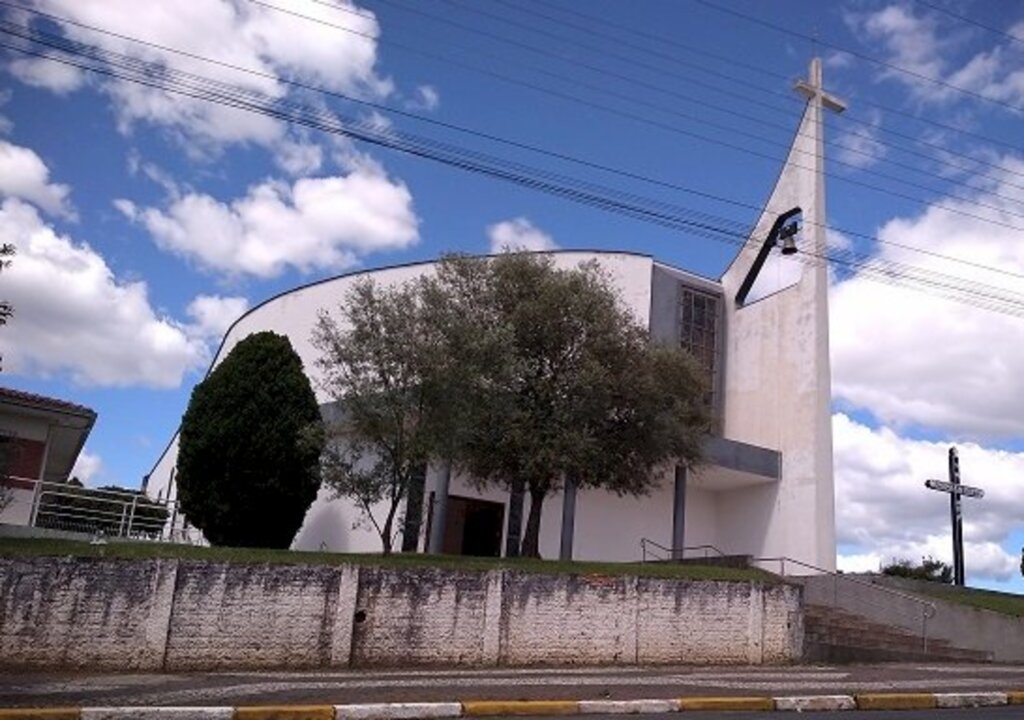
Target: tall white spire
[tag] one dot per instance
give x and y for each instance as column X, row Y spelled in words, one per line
column 778, row 378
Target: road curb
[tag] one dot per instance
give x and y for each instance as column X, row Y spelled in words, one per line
column 496, row 708
column 896, row 701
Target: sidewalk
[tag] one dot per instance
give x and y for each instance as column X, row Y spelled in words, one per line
column 84, row 689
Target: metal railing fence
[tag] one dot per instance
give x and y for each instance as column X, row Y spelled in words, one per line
column 656, row 552
column 856, row 595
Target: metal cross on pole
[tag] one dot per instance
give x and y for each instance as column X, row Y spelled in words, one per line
column 956, row 491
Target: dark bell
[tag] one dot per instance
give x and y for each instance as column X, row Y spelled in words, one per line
column 788, row 237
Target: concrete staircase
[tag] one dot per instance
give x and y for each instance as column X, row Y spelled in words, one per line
column 832, row 635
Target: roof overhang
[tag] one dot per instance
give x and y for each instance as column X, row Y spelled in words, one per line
column 68, row 426
column 730, row 465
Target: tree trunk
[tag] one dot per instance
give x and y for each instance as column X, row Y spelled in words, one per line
column 531, row 542
column 515, row 518
column 385, row 534
column 414, row 510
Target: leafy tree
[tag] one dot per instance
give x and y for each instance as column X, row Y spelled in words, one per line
column 249, row 449
column 930, row 569
column 6, row 310
column 518, row 373
column 579, row 392
column 387, row 361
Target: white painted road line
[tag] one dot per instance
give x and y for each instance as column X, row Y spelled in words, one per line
column 807, row 703
column 970, row 700
column 397, row 711
column 627, row 707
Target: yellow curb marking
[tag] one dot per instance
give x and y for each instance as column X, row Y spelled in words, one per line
column 284, row 712
column 40, row 713
column 896, row 701
column 520, row 707
column 726, row 703
column 1015, row 697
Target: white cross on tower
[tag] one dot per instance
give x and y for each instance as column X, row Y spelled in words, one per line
column 812, row 89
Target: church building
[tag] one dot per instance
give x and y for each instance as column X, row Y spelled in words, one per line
column 765, row 488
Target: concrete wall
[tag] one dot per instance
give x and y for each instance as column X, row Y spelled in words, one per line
column 1002, row 636
column 778, row 377
column 189, row 615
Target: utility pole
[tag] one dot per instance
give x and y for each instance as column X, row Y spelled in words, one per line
column 956, row 491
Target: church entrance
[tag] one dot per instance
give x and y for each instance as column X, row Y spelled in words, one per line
column 474, row 527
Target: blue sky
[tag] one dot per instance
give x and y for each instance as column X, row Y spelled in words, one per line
column 145, row 223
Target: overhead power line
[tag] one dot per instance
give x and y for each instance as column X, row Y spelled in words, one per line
column 720, row 59
column 733, row 146
column 864, row 56
column 167, row 79
column 702, row 120
column 971, row 21
column 501, row 140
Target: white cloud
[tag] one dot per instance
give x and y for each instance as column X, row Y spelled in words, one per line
column 72, row 315
column 911, row 357
column 275, row 44
column 49, row 74
column 5, row 122
column 87, row 466
column 299, row 158
column 23, row 174
column 212, row 315
column 837, row 60
column 885, row 512
column 317, row 223
column 930, row 47
column 518, row 234
column 427, row 98
column 861, row 147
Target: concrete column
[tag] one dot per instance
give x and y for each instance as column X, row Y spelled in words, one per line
column 492, row 617
column 568, row 519
column 440, row 519
column 679, row 513
column 344, row 616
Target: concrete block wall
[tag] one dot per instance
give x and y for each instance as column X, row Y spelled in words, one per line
column 84, row 612
column 189, row 615
column 421, row 617
column 568, row 620
column 252, row 616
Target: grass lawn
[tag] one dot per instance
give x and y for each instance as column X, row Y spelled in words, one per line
column 1005, row 603
column 23, row 547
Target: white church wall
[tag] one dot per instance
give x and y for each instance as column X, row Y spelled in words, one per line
column 294, row 314
column 701, row 519
column 609, row 528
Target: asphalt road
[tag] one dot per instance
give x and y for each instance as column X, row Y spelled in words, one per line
column 84, row 688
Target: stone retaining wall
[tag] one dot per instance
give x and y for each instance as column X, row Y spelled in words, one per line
column 175, row 615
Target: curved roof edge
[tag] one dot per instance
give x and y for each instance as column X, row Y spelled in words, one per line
column 396, row 266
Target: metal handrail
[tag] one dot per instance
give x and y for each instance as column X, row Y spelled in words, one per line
column 928, row 608
column 644, row 542
column 881, row 588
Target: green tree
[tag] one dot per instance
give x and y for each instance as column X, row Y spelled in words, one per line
column 929, row 569
column 579, row 392
column 249, row 448
column 387, row 360
column 6, row 310
column 371, row 358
